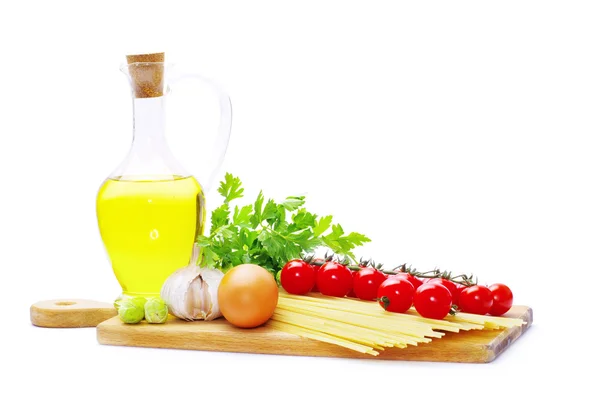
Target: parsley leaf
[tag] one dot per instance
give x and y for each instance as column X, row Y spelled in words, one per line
column 242, row 216
column 231, row 188
column 357, row 239
column 344, row 244
column 292, row 203
column 219, row 218
column 303, row 219
column 270, row 212
column 322, row 225
column 258, row 207
column 269, row 234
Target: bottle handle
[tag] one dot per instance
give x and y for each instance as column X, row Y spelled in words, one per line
column 224, row 130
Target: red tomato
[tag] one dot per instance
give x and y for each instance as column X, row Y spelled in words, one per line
column 503, row 299
column 334, row 279
column 367, row 282
column 351, row 294
column 297, row 277
column 476, row 299
column 316, row 271
column 448, row 284
column 410, row 278
column 433, row 300
column 459, row 289
column 396, row 294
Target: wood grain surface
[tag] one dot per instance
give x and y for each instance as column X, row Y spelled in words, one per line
column 218, row 335
column 70, row 313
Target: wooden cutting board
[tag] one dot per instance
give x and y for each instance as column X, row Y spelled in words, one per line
column 70, row 313
column 218, row 335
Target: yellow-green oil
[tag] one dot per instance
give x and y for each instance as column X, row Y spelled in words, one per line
column 149, row 228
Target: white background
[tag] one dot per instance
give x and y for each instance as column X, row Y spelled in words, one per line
column 457, row 134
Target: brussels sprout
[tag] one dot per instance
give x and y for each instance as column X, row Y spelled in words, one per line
column 139, row 300
column 130, row 311
column 156, row 311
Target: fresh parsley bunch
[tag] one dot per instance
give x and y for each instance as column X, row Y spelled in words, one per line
column 269, row 234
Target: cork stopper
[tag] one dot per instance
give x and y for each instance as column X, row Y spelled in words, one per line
column 147, row 75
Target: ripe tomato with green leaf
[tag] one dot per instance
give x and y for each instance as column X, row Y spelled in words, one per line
column 297, row 277
column 366, row 283
column 395, row 295
column 334, row 279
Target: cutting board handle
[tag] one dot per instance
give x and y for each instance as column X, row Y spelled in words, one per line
column 70, row 313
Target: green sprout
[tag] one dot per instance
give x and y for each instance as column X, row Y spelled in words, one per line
column 131, row 311
column 139, row 300
column 156, row 311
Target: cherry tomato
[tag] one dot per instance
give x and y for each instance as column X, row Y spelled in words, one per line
column 456, row 298
column 297, row 277
column 476, row 299
column 503, row 299
column 352, row 294
column 334, row 279
column 433, row 300
column 316, row 268
column 367, row 282
column 396, row 294
column 448, row 284
column 410, row 278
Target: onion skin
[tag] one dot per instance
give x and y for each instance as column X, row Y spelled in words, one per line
column 248, row 296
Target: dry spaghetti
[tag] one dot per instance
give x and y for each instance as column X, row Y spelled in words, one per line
column 365, row 327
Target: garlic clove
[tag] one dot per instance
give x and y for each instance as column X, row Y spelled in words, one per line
column 175, row 288
column 199, row 303
column 191, row 293
column 212, row 278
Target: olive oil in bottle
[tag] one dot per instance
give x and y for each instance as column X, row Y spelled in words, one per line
column 149, row 228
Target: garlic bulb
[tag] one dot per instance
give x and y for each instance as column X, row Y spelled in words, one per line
column 191, row 293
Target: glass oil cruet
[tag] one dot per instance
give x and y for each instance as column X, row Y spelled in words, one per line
column 150, row 210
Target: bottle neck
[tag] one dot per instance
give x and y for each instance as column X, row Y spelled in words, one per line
column 149, row 157
column 149, row 123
